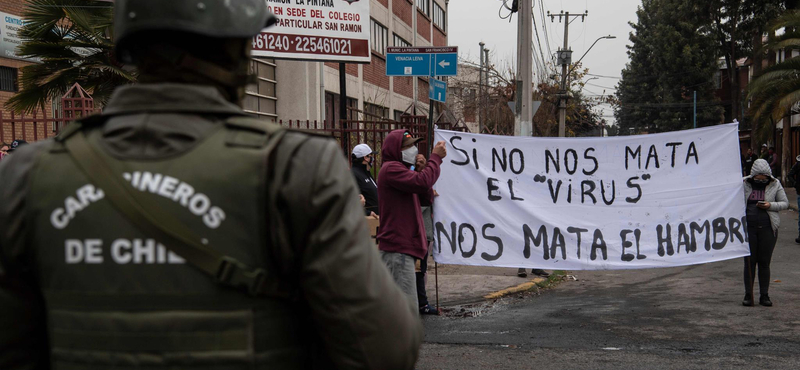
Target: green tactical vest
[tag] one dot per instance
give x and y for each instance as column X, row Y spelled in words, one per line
column 117, row 298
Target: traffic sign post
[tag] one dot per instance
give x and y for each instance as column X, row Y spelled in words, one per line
column 438, row 90
column 422, row 61
column 425, row 62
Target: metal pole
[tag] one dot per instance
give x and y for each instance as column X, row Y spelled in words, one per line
column 695, row 109
column 526, row 68
column 322, row 92
column 480, row 90
column 343, row 107
column 436, row 275
column 562, row 109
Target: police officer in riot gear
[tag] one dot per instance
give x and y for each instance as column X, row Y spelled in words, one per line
column 172, row 231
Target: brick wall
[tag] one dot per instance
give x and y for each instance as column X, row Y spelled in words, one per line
column 350, row 68
column 12, row 6
column 423, row 26
column 375, row 72
column 404, row 86
column 422, row 89
column 385, row 3
column 439, row 38
column 19, row 130
column 403, row 10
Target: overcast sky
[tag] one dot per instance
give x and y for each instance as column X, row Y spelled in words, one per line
column 473, row 21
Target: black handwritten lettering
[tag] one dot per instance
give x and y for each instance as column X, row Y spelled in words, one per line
column 496, row 240
column 567, row 154
column 734, row 225
column 692, row 152
column 521, row 161
column 696, row 228
column 497, row 158
column 549, row 158
column 539, row 239
column 558, row 242
column 634, row 155
column 632, row 185
column 451, row 237
column 683, row 239
column 586, row 155
column 664, row 239
column 587, row 191
column 578, row 232
column 554, row 192
column 491, row 187
column 674, row 146
column 461, row 238
column 475, row 156
column 462, row 151
column 511, row 190
column 599, row 243
column 613, row 192
column 652, row 154
column 720, row 228
column 627, row 257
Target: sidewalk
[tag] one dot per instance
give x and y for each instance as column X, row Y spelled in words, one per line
column 469, row 284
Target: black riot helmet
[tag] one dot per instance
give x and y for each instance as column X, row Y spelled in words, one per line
column 190, row 35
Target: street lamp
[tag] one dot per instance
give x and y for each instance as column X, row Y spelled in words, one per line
column 587, row 51
column 562, row 116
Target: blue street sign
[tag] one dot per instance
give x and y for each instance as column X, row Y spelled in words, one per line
column 422, row 61
column 408, row 64
column 438, row 90
column 445, row 64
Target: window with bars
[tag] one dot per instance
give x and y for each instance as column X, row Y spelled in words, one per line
column 380, row 36
column 262, row 99
column 439, row 18
column 398, row 41
column 8, row 79
column 373, row 111
column 424, row 6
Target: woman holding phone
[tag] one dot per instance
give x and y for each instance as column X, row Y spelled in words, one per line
column 765, row 197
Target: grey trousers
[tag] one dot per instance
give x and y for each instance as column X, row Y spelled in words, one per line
column 401, row 266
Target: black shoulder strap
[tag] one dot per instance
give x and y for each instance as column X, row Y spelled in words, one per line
column 146, row 214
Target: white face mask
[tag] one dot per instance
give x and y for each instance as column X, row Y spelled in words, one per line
column 410, row 155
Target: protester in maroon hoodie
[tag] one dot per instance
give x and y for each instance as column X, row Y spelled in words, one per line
column 402, row 239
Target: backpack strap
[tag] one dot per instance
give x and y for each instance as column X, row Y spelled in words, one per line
column 146, row 214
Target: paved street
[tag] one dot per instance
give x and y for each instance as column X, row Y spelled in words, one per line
column 675, row 318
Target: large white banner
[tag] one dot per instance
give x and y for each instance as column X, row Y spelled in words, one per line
column 329, row 30
column 658, row 200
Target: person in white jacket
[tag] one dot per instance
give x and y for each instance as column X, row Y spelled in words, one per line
column 765, row 198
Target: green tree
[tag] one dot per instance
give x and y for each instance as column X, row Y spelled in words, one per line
column 72, row 39
column 671, row 57
column 775, row 93
column 737, row 27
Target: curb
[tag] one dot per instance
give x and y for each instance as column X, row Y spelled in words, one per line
column 516, row 289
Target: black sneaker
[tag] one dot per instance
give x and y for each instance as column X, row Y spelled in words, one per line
column 797, row 240
column 764, row 301
column 748, row 300
column 522, row 273
column 428, row 310
column 540, row 272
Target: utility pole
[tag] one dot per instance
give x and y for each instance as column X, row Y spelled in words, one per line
column 480, row 90
column 523, row 125
column 564, row 58
column 485, row 102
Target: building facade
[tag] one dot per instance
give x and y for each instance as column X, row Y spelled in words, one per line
column 10, row 75
column 310, row 90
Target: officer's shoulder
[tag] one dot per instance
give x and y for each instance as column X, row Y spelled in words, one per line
column 19, row 164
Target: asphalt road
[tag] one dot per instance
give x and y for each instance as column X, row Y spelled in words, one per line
column 675, row 318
